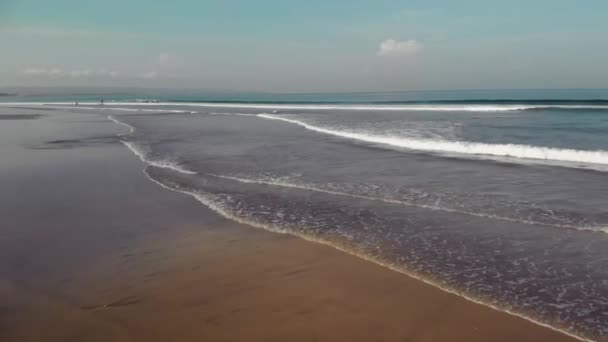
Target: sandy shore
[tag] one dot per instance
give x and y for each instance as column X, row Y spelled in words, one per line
column 91, row 250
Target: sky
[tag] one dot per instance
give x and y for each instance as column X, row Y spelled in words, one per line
column 305, row 46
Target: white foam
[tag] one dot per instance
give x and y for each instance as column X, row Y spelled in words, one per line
column 312, row 187
column 131, row 128
column 166, row 164
column 232, row 114
column 395, row 107
column 364, row 107
column 208, row 201
column 571, row 156
column 371, row 107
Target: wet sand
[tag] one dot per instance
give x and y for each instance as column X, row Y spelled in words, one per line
column 91, row 250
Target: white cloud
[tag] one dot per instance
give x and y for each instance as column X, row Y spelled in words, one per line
column 150, row 75
column 390, row 47
column 45, row 72
column 106, row 73
column 78, row 73
column 34, row 71
column 164, row 58
column 55, row 72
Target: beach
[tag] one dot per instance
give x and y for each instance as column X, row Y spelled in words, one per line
column 92, row 250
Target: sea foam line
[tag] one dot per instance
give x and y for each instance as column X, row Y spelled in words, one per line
column 358, row 107
column 409, row 204
column 598, row 157
column 142, row 155
column 392, row 107
column 165, row 164
column 209, row 203
column 131, row 128
column 112, row 108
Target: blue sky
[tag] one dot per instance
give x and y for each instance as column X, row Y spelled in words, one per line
column 305, row 46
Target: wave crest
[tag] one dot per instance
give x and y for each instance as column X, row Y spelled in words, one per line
column 529, row 152
column 435, row 107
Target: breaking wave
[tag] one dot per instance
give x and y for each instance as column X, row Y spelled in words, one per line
column 436, row 107
column 558, row 223
column 571, row 156
column 113, row 119
column 139, row 152
column 165, row 164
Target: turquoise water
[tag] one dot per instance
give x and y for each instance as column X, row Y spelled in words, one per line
column 55, row 94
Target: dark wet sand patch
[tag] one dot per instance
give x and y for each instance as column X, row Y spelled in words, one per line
column 20, row 116
column 76, row 143
column 125, row 301
column 131, row 300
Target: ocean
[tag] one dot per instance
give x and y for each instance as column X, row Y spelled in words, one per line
column 498, row 196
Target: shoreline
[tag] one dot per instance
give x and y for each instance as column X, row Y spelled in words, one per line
column 137, row 262
column 381, row 263
column 373, row 261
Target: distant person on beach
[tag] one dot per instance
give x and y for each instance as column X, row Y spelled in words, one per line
column 101, row 102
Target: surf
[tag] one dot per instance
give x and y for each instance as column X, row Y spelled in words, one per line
column 570, row 157
column 315, row 188
column 165, row 164
column 432, row 107
column 113, row 119
column 209, row 201
column 142, row 155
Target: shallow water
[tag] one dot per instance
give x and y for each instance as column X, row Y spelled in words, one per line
column 502, row 203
